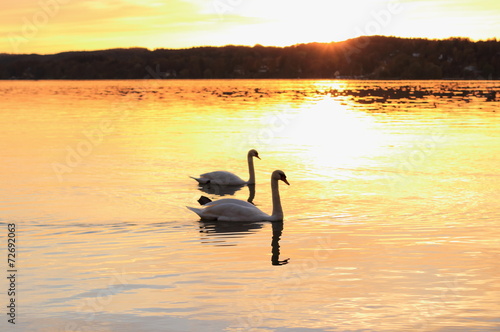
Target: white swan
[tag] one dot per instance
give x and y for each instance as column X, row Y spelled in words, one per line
column 230, row 209
column 229, row 179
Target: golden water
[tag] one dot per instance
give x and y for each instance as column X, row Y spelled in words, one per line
column 391, row 219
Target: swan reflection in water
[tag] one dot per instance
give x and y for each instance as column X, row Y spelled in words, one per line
column 218, row 229
column 224, row 190
column 219, row 190
column 275, row 244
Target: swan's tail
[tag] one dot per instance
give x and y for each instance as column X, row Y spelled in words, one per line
column 201, row 180
column 195, row 210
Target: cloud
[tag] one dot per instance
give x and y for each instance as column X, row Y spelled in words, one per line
column 93, row 24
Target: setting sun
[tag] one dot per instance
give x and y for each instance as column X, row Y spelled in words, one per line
column 51, row 26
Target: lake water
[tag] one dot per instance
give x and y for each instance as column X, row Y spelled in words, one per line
column 391, row 218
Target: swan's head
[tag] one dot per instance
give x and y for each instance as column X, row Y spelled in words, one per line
column 280, row 175
column 253, row 153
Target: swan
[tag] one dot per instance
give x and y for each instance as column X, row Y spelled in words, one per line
column 231, row 209
column 229, row 179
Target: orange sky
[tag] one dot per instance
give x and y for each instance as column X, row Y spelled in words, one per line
column 51, row 26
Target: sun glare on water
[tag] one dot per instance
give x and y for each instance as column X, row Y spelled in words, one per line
column 332, row 135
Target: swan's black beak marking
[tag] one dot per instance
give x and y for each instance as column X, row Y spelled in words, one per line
column 204, row 200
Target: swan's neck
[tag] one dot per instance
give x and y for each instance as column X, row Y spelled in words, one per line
column 251, row 170
column 277, row 209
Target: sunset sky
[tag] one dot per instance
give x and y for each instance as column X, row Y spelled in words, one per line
column 52, row 26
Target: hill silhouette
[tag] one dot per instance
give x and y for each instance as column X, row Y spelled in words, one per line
column 374, row 57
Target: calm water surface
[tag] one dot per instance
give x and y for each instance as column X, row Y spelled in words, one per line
column 391, row 219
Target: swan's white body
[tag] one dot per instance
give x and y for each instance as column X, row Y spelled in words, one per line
column 230, row 209
column 224, row 178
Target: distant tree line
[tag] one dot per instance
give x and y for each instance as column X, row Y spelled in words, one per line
column 374, row 57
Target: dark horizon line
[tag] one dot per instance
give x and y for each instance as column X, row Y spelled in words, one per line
column 255, row 45
column 366, row 57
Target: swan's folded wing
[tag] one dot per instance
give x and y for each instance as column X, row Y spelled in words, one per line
column 235, row 212
column 222, row 178
column 230, row 200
